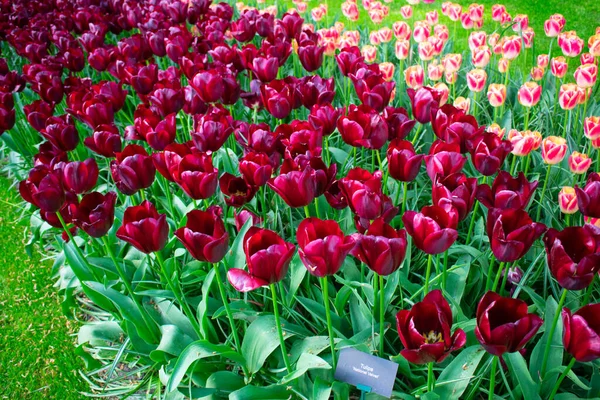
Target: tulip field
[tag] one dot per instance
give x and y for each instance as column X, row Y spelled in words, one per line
column 233, row 195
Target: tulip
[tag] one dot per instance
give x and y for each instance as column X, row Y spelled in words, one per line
column 511, row 47
column 568, row 96
column 583, row 345
column 554, row 149
column 369, row 53
column 454, row 12
column 588, row 197
column 591, row 127
column 296, row 188
column 480, row 56
column 537, row 73
column 363, row 127
column 241, row 216
column 212, row 129
column 558, row 67
column 524, row 142
column 570, row 44
column 579, row 163
column 133, row 169
column 406, row 12
column 426, row 50
column 403, row 162
column 236, row 190
column 372, row 89
column 362, row 191
column 435, row 71
column 594, row 44
column 529, row 94
column 433, row 229
column 95, row 213
column 104, row 142
column 80, row 176
column 444, row 163
column 401, row 49
column 455, row 190
column 204, row 235
column 507, row 192
column 542, row 61
column 196, row 175
column 476, row 80
column 414, row 76
column 585, row 75
column 398, row 123
column 268, row 257
column 553, row 26
column 43, row 188
column 382, row 248
column 450, row 77
column 144, row 228
column 444, row 92
column 496, row 94
column 503, row 324
column 573, row 255
column 503, row 65
column 349, row 60
column 61, row 132
column 278, row 98
column 511, row 233
column 311, row 57
column 452, row 62
column 488, row 152
column 567, row 200
column 496, row 130
column 425, row 330
column 322, row 246
column 462, row 103
column 424, row 101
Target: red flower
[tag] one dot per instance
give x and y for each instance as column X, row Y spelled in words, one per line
column 403, row 162
column 456, row 190
column 581, row 332
column 80, row 176
column 133, row 169
column 588, row 198
column 95, row 213
column 212, row 129
column 372, row 89
column 204, row 235
column 43, row 188
column 197, row 176
column 381, row 248
column 144, row 228
column 363, row 127
column 296, row 188
column 236, row 190
column 511, row 233
column 488, row 152
column 433, row 229
column 425, row 101
column 507, row 192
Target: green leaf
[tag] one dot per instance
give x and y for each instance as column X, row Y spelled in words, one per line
column 321, row 390
column 297, row 272
column 306, row 362
column 310, row 345
column 78, row 265
column 197, row 351
column 235, row 257
column 555, row 356
column 457, row 375
column 99, row 333
column 571, row 375
column 339, row 154
column 260, row 340
column 272, row 392
column 225, row 382
column 172, row 343
column 317, row 310
column 518, row 367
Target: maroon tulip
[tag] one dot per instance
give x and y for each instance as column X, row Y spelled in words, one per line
column 37, row 113
column 197, row 176
column 324, row 175
column 296, row 188
column 460, row 129
column 488, row 152
column 403, row 162
column 167, row 161
column 573, row 255
column 95, row 213
column 144, row 228
column 581, row 332
column 241, row 216
column 424, row 101
column 258, row 138
column 362, row 126
column 444, row 163
column 209, row 85
column 324, row 117
column 507, row 192
column 335, row 197
column 455, row 190
column 236, row 190
column 43, row 188
column 381, row 248
column 61, row 132
column 80, row 176
column 158, row 132
column 398, row 122
column 132, row 170
column 511, row 233
column 105, row 141
column 212, row 129
column 144, row 79
column 425, row 330
column 204, row 235
column 316, row 90
column 362, row 191
column 349, row 60
column 268, row 257
column 588, row 198
column 323, row 246
column 52, row 219
column 166, row 100
column 372, row 89
column 503, row 324
column 265, row 68
column 278, row 97
column 299, row 138
column 311, row 56
column 433, row 229
column 256, row 168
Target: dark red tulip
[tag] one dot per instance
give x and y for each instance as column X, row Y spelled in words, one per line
column 243, row 29
column 61, row 132
column 573, row 255
column 132, row 170
column 256, row 168
column 382, row 248
column 167, row 161
column 424, row 101
column 105, row 141
column 7, row 118
column 52, row 219
column 581, row 332
column 324, row 117
column 507, row 192
column 144, row 228
column 403, row 162
column 265, row 68
column 144, row 79
column 311, row 56
column 488, row 152
column 588, row 198
column 511, row 233
column 372, row 89
column 197, row 176
column 291, row 22
column 37, row 113
column 268, row 257
column 296, row 188
column 324, row 175
column 433, row 229
column 49, row 155
column 209, row 85
column 398, row 122
column 204, row 235
column 212, row 129
column 322, row 246
column 258, row 138
column 316, row 90
column 444, row 163
column 236, row 190
column 425, row 330
column 455, row 190
column 80, row 176
column 442, row 117
column 95, row 213
column 362, row 126
column 503, row 324
column 278, row 97
column 299, row 138
column 362, row 191
column 335, row 197
column 167, row 101
column 43, row 188
column 241, row 216
column 157, row 131
column 349, row 60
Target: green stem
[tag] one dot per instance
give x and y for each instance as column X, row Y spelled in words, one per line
column 561, row 378
column 561, row 302
column 504, row 278
column 404, row 191
column 306, row 212
column 472, row 224
column 488, row 281
column 317, row 208
column 527, row 162
column 588, row 292
column 540, row 206
column 325, row 287
column 497, row 279
column 493, row 377
column 445, row 271
column 77, row 249
column 381, row 316
column 513, row 164
column 286, row 360
column 234, row 331
column 526, row 124
column 430, row 377
column 143, row 195
column 427, row 274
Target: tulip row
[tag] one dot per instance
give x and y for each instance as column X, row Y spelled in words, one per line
column 254, row 153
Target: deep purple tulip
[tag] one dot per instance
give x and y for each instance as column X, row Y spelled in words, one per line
column 212, row 129
column 296, row 188
column 236, row 190
column 372, row 89
column 398, row 122
column 581, row 332
column 488, row 152
column 424, row 101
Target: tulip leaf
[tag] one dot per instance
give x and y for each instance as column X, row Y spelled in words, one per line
column 260, row 340
column 455, row 377
column 571, row 375
column 99, row 333
column 555, row 356
column 273, row 392
column 317, row 310
column 297, row 272
column 78, row 264
column 172, row 343
column 225, row 382
column 321, row 389
column 197, row 351
column 310, row 345
column 235, row 257
column 306, row 362
column 206, row 327
column 339, row 155
column 360, row 314
column 518, row 367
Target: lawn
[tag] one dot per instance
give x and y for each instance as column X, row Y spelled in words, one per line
column 37, row 356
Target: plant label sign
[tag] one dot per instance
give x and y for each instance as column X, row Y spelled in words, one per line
column 364, row 370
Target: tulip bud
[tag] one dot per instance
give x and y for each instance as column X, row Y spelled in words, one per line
column 503, row 65
column 435, row 71
column 387, row 71
column 450, row 77
column 542, row 60
column 529, row 94
column 369, row 53
column 511, row 47
column 414, row 76
column 426, row 50
column 537, row 73
column 594, row 44
column 480, row 56
column 581, row 332
column 524, row 142
column 452, row 62
column 144, row 228
column 496, row 94
column 570, row 44
column 496, row 129
column 421, row 31
column 454, row 12
column 568, row 96
column 591, row 128
column 444, row 92
column 585, row 75
column 558, row 67
column 567, row 200
column 579, row 163
column 406, row 12
column 586, row 58
column 462, row 104
column 554, row 149
column 476, row 80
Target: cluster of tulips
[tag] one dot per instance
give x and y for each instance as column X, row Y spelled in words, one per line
column 261, row 163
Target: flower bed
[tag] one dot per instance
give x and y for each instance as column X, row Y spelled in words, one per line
column 232, row 196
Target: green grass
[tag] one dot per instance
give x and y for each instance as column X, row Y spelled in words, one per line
column 37, row 352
